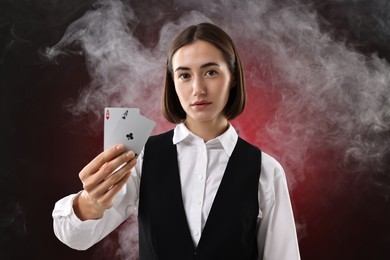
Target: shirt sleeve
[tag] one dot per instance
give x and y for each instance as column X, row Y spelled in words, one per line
column 277, row 237
column 81, row 235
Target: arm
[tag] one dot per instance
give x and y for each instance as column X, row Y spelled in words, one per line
column 81, row 220
column 277, row 238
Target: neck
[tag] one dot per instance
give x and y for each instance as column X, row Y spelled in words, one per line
column 208, row 130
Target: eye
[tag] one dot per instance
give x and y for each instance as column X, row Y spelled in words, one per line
column 184, row 76
column 211, row 73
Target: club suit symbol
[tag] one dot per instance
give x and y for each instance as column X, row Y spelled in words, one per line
column 130, row 136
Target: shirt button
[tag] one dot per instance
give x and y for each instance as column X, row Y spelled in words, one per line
column 196, row 233
column 200, row 177
column 199, row 202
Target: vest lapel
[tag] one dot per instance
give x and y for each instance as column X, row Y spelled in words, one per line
column 176, row 186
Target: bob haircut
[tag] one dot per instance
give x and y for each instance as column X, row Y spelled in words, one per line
column 171, row 107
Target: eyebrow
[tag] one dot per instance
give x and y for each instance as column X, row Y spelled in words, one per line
column 208, row 64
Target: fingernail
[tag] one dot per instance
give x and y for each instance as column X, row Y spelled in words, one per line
column 130, row 154
column 119, row 147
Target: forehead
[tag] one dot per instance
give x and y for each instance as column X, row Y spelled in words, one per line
column 196, row 54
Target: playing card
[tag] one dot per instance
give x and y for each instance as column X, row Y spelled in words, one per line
column 112, row 115
column 131, row 131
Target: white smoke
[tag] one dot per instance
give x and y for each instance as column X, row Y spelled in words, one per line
column 331, row 95
column 123, row 72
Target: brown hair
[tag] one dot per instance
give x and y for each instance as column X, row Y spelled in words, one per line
column 171, row 106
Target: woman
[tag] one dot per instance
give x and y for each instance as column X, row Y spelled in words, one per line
column 201, row 192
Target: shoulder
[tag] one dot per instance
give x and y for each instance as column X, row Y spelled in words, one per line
column 155, row 147
column 272, row 178
column 271, row 170
column 248, row 148
column 269, row 162
column 158, row 144
column 167, row 136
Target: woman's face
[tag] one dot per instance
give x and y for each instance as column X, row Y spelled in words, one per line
column 202, row 81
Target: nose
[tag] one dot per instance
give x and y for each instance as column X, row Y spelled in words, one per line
column 199, row 86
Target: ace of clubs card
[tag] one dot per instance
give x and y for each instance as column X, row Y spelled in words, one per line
column 128, row 127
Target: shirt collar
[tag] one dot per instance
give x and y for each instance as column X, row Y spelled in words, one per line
column 228, row 139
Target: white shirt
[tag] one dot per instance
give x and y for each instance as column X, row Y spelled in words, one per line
column 201, row 167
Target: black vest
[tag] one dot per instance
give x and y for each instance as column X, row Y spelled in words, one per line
column 231, row 227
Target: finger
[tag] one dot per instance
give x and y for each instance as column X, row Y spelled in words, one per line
column 107, row 199
column 113, row 166
column 100, row 183
column 108, row 183
column 107, row 155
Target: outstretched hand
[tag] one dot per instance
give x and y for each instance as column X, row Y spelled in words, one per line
column 102, row 179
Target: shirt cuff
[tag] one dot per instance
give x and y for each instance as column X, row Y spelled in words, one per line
column 64, row 209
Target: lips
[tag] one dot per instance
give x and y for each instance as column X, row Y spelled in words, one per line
column 200, row 103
